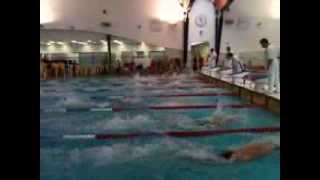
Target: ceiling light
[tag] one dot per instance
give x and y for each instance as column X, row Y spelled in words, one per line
column 118, row 42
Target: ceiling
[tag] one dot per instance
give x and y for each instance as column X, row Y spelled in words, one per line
column 255, row 9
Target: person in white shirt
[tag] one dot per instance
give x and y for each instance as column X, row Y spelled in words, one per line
column 272, row 56
column 228, row 48
column 237, row 65
column 227, row 62
column 212, row 58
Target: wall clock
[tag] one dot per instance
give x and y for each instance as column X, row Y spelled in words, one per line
column 201, row 20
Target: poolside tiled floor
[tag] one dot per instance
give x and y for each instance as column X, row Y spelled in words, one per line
column 240, row 82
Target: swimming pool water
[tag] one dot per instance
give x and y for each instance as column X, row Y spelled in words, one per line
column 144, row 158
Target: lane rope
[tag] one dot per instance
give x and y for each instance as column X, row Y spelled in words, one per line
column 171, row 95
column 119, row 109
column 176, row 134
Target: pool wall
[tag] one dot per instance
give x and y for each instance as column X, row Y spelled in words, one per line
column 268, row 102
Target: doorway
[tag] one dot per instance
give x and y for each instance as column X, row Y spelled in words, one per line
column 199, row 54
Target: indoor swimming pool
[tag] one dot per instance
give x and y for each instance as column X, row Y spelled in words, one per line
column 74, row 111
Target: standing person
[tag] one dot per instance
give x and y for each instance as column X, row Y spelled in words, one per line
column 131, row 66
column 201, row 62
column 41, row 68
column 228, row 48
column 212, row 58
column 272, row 56
column 194, row 66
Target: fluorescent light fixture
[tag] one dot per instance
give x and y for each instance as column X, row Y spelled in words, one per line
column 78, row 42
column 103, row 41
column 83, row 43
column 169, row 11
column 118, row 42
column 162, row 48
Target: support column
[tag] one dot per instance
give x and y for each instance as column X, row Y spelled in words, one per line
column 219, row 35
column 185, row 41
column 109, row 51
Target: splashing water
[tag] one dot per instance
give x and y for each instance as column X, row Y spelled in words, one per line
column 125, row 152
column 139, row 122
column 172, row 103
column 117, row 153
column 74, row 101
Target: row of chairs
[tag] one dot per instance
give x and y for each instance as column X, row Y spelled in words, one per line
column 62, row 69
column 54, row 69
column 164, row 66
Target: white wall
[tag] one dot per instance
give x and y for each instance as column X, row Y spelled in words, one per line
column 124, row 15
column 71, row 49
column 202, row 7
column 248, row 40
column 245, row 36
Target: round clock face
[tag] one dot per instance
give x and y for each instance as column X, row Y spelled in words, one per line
column 201, row 20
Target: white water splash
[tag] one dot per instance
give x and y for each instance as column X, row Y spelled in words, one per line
column 73, row 101
column 117, row 153
column 139, row 122
column 125, row 152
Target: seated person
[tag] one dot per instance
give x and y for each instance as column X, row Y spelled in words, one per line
column 237, row 66
column 227, row 61
column 225, row 66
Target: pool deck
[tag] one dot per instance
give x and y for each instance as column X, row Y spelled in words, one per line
column 270, row 101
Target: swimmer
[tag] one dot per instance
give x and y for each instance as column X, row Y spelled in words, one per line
column 250, row 151
column 218, row 121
